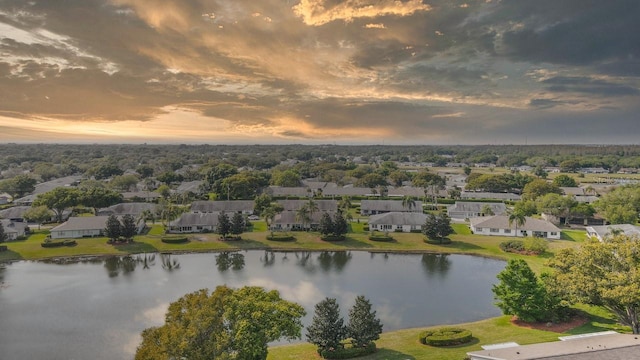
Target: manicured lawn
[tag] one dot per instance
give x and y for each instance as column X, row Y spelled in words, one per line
column 403, row 344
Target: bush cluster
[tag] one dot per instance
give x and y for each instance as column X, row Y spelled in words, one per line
column 174, row 240
column 280, row 237
column 347, row 352
column 512, row 246
column 3, row 248
column 332, row 238
column 531, row 245
column 380, row 238
column 60, row 243
column 446, row 336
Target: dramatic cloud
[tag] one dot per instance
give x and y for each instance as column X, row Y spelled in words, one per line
column 349, row 71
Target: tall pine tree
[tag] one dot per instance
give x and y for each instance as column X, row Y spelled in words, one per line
column 363, row 326
column 327, row 328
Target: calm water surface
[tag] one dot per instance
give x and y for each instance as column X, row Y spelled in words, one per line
column 97, row 309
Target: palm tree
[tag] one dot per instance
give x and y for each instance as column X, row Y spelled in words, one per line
column 303, row 215
column 313, row 208
column 270, row 213
column 408, row 202
column 518, row 218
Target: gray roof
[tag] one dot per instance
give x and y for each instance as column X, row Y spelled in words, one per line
column 196, row 219
column 605, row 230
column 502, row 222
column 224, row 205
column 323, row 205
column 140, row 194
column 609, row 347
column 470, row 206
column 488, row 195
column 190, row 186
column 398, row 218
column 133, row 208
column 578, row 191
column 15, row 212
column 83, row 223
column 288, row 191
column 289, row 217
column 13, row 227
column 389, row 206
column 406, row 191
column 55, row 183
column 346, row 191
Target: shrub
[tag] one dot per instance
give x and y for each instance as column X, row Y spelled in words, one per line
column 365, row 228
column 69, row 243
column 3, row 248
column 332, row 238
column 174, row 240
column 512, row 246
column 380, row 238
column 444, row 241
column 280, row 237
column 347, row 352
column 446, row 336
column 52, row 244
column 536, row 245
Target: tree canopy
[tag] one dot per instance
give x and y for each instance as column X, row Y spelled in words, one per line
column 604, row 273
column 228, row 324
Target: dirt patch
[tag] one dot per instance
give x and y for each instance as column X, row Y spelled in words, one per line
column 555, row 327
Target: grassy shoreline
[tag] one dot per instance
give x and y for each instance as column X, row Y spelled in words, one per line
column 400, row 344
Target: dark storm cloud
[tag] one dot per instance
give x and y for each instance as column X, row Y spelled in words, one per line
column 589, row 86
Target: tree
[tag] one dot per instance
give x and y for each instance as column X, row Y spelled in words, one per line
column 262, row 201
column 537, row 188
column 520, row 293
column 231, row 324
column 363, row 326
column 19, row 185
column 287, row 178
column 124, row 182
column 620, row 205
column 302, row 215
column 3, row 235
column 237, row 224
column 327, row 329
column 604, row 273
column 326, row 224
column 164, row 190
column 58, row 200
column 128, row 229
column 98, row 197
column 340, row 225
column 224, row 224
column 145, row 171
column 113, row 229
column 540, row 172
column 518, row 218
column 487, row 210
column 437, row 227
column 565, row 181
column 270, row 213
column 408, row 202
column 38, row 214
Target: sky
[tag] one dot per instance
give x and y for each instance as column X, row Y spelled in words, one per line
column 320, row 71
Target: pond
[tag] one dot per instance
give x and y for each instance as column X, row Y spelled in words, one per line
column 96, row 308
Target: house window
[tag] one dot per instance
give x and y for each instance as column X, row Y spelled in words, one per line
column 479, row 229
column 494, row 230
column 507, row 231
column 554, row 233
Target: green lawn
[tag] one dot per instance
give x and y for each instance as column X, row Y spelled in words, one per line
column 403, row 344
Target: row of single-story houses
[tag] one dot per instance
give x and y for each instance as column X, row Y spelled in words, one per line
column 85, row 226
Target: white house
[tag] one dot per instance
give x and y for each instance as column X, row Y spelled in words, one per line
column 289, row 220
column 373, row 207
column 469, row 209
column 86, row 226
column 5, row 198
column 79, row 227
column 601, row 232
column 397, row 221
column 194, row 222
column 498, row 225
column 14, row 229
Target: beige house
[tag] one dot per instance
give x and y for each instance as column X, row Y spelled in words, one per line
column 499, row 226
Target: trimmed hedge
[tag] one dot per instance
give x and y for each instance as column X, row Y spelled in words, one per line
column 380, row 238
column 332, row 238
column 348, row 352
column 174, row 240
column 60, row 243
column 281, row 237
column 446, row 336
